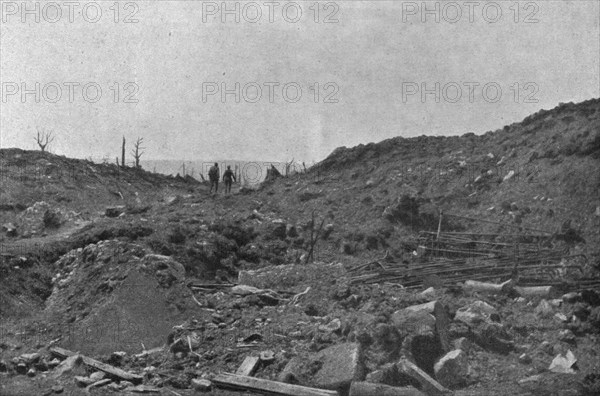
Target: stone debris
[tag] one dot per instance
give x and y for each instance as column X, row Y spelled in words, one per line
column 525, row 358
column 563, row 363
column 452, row 369
column 67, row 365
column 544, row 309
column 201, row 385
column 267, row 357
column 339, row 366
column 333, row 326
column 428, row 293
column 561, row 317
column 477, row 312
column 114, row 211
column 567, row 336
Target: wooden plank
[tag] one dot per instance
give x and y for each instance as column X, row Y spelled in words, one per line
column 249, row 366
column 107, row 368
column 266, row 386
column 430, row 386
column 485, row 287
column 540, row 291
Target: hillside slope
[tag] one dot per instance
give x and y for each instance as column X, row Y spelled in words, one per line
column 541, row 173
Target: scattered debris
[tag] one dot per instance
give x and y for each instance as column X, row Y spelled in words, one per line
column 452, row 369
column 525, row 358
column 563, row 363
column 248, row 366
column 267, row 357
column 202, row 385
column 113, row 371
column 430, row 386
column 544, row 309
column 262, row 385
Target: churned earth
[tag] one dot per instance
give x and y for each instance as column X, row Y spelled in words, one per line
column 185, row 284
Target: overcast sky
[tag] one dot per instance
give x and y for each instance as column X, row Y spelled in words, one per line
column 371, row 64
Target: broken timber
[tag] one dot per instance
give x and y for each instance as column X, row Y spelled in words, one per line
column 266, row 386
column 540, row 291
column 249, row 366
column 430, row 386
column 107, row 368
column 485, row 287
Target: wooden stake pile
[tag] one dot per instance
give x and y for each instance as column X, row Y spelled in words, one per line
column 528, row 256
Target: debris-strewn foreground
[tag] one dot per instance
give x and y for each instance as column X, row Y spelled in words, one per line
column 425, row 266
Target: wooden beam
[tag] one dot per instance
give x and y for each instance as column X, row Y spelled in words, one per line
column 249, row 366
column 234, row 381
column 430, row 386
column 540, row 291
column 107, row 368
column 486, row 287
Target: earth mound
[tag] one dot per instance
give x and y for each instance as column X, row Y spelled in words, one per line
column 116, row 296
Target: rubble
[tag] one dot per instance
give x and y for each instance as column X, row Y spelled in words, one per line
column 525, row 358
column 563, row 363
column 73, row 359
column 338, row 366
column 452, row 369
column 544, row 309
column 114, row 211
column 67, row 365
column 10, row 229
column 428, row 384
column 477, row 312
column 262, row 385
column 202, row 385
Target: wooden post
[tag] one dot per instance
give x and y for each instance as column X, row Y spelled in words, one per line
column 439, row 225
column 430, row 386
column 122, row 154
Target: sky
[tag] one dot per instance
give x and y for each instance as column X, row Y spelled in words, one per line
column 300, row 78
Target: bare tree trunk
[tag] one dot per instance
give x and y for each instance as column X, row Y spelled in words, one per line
column 122, row 154
column 314, row 238
column 43, row 139
column 138, row 151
